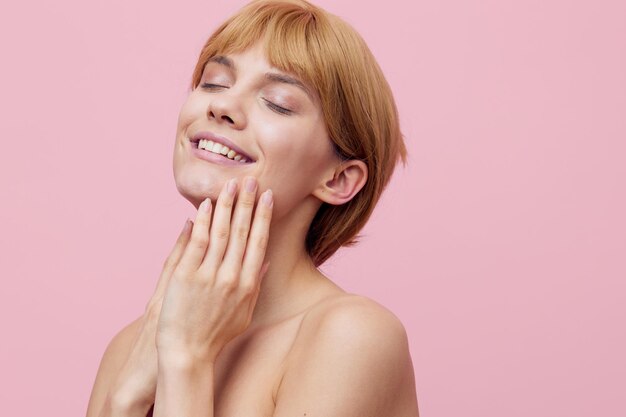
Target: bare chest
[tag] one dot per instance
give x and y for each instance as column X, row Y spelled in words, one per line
column 248, row 372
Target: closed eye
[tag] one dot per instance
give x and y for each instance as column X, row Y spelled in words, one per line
column 275, row 107
column 210, row 86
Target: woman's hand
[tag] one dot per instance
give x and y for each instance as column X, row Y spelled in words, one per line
column 211, row 295
column 135, row 385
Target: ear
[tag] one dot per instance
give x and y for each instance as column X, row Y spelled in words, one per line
column 347, row 180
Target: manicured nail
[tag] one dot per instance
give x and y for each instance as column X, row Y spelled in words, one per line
column 267, row 198
column 186, row 226
column 231, row 187
column 250, row 184
column 206, row 205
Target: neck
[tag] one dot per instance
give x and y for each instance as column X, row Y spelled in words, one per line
column 292, row 281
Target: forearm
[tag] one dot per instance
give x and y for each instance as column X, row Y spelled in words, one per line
column 122, row 405
column 184, row 391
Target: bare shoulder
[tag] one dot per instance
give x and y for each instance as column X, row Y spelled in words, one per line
column 112, row 360
column 353, row 317
column 349, row 347
column 352, row 324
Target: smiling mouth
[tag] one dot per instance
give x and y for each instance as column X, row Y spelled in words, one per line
column 221, row 150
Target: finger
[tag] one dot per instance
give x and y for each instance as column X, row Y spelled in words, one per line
column 197, row 246
column 240, row 226
column 173, row 258
column 220, row 227
column 255, row 293
column 257, row 242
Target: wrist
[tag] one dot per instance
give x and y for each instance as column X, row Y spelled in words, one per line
column 184, row 387
column 181, row 363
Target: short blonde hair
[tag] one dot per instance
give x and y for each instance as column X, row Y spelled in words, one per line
column 357, row 103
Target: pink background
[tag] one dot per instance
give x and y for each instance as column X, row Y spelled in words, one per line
column 501, row 247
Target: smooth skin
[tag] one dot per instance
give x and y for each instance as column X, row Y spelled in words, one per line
column 280, row 341
column 210, row 298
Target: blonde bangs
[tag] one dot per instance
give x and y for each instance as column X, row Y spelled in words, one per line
column 289, row 35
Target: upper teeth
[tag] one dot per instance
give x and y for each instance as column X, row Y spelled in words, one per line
column 218, row 148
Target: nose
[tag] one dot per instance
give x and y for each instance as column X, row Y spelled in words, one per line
column 226, row 108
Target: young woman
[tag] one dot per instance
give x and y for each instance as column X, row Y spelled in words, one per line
column 284, row 145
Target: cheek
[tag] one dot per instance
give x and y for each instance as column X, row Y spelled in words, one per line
column 298, row 152
column 185, row 118
column 189, row 111
column 299, row 145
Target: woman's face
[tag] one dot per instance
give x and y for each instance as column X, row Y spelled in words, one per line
column 268, row 116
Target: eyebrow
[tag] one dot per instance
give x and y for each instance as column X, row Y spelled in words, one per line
column 270, row 76
column 220, row 59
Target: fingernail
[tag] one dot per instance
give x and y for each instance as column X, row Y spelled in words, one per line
column 206, row 205
column 186, row 226
column 267, row 198
column 231, row 187
column 250, row 184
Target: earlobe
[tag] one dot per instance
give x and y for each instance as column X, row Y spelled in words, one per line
column 348, row 179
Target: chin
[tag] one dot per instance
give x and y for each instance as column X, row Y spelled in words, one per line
column 196, row 185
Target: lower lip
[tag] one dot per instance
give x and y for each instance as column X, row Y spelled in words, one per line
column 213, row 157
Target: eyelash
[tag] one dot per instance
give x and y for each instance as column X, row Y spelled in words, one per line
column 271, row 105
